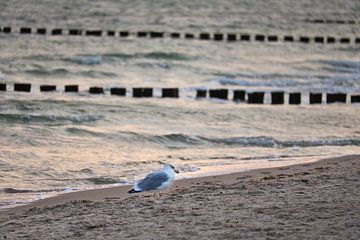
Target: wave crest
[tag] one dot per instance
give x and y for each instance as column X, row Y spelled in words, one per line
column 46, row 119
column 85, row 60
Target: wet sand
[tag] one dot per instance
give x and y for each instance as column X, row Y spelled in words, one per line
column 319, row 200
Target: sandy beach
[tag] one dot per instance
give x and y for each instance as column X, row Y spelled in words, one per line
column 319, row 200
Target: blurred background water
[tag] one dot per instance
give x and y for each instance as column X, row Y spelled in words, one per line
column 53, row 143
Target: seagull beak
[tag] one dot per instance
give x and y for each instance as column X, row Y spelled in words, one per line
column 176, row 171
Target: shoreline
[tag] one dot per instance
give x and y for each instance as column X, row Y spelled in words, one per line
column 312, row 200
column 122, row 191
column 111, row 191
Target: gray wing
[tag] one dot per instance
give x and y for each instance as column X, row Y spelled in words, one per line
column 152, row 181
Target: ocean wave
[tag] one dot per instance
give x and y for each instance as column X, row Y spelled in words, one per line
column 156, row 55
column 154, row 65
column 345, row 83
column 264, row 76
column 166, row 140
column 46, row 72
column 167, row 56
column 183, row 140
column 102, row 180
column 175, row 140
column 253, row 79
column 82, row 118
column 321, row 142
column 114, row 57
column 46, row 119
column 263, row 141
column 62, row 72
column 342, row 66
column 84, row 132
column 97, row 74
column 85, row 60
column 239, row 82
column 260, row 141
column 41, row 57
column 117, row 56
column 15, row 190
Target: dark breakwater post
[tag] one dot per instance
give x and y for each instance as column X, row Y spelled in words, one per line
column 231, row 37
column 330, row 40
column 175, row 35
column 245, row 37
column 142, row 34
column 170, row 93
column 201, row 93
column 256, row 98
column 56, row 31
column 3, row 87
column 41, row 31
column 304, row 39
column 319, row 39
column 219, row 93
column 315, row 98
column 336, row 98
column 110, row 33
column 142, row 92
column 71, row 88
column 345, row 40
column 260, row 38
column 294, row 98
column 204, row 36
column 75, row 32
column 22, row 87
column 189, row 36
column 288, row 39
column 277, row 98
column 25, row 30
column 118, row 91
column 156, row 34
column 355, row 98
column 47, row 88
column 218, row 36
column 239, row 96
column 124, row 34
column 272, row 38
column 95, row 33
column 96, row 90
column 6, row 30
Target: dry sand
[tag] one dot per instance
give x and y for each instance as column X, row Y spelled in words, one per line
column 319, row 200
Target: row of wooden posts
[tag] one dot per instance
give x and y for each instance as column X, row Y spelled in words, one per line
column 332, row 21
column 230, row 37
column 277, row 97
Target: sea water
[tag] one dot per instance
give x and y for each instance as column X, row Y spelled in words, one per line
column 55, row 142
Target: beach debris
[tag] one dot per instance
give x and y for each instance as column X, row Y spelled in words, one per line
column 304, row 180
column 95, row 225
column 269, row 177
column 259, row 211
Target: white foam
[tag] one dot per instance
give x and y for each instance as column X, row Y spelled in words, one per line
column 87, row 60
column 2, row 76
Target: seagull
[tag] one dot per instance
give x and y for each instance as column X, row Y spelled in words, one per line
column 159, row 180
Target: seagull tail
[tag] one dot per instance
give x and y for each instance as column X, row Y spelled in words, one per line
column 133, row 191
